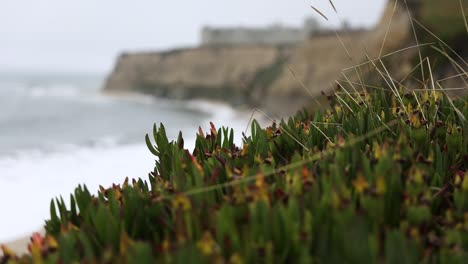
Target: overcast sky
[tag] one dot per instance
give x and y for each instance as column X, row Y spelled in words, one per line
column 87, row 35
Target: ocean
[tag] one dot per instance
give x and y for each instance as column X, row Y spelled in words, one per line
column 60, row 130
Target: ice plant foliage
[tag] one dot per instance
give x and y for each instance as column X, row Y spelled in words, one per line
column 348, row 185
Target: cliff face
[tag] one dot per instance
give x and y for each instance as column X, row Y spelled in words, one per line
column 225, row 73
column 278, row 79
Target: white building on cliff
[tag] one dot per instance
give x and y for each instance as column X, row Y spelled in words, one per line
column 272, row 35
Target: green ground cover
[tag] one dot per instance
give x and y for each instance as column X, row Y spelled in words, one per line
column 380, row 176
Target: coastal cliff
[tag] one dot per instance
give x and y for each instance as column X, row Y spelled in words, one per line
column 280, row 79
column 205, row 72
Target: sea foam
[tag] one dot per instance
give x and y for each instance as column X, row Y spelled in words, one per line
column 29, row 182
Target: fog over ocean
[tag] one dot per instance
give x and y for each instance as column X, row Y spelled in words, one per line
column 58, row 131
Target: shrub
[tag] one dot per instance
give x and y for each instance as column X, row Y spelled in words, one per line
column 378, row 177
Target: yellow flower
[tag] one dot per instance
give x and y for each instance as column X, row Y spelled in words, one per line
column 360, row 184
column 258, row 159
column 207, row 245
column 378, row 151
column 380, row 185
column 414, row 233
column 409, row 108
column 426, row 96
column 338, row 109
column 235, row 259
column 431, row 157
column 269, row 132
column 418, row 176
column 229, row 172
column 181, row 202
column 166, row 245
column 394, row 106
column 457, row 180
column 260, row 181
column 415, row 120
column 465, row 182
column 245, row 150
column 51, row 242
column 307, row 129
column 261, row 193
